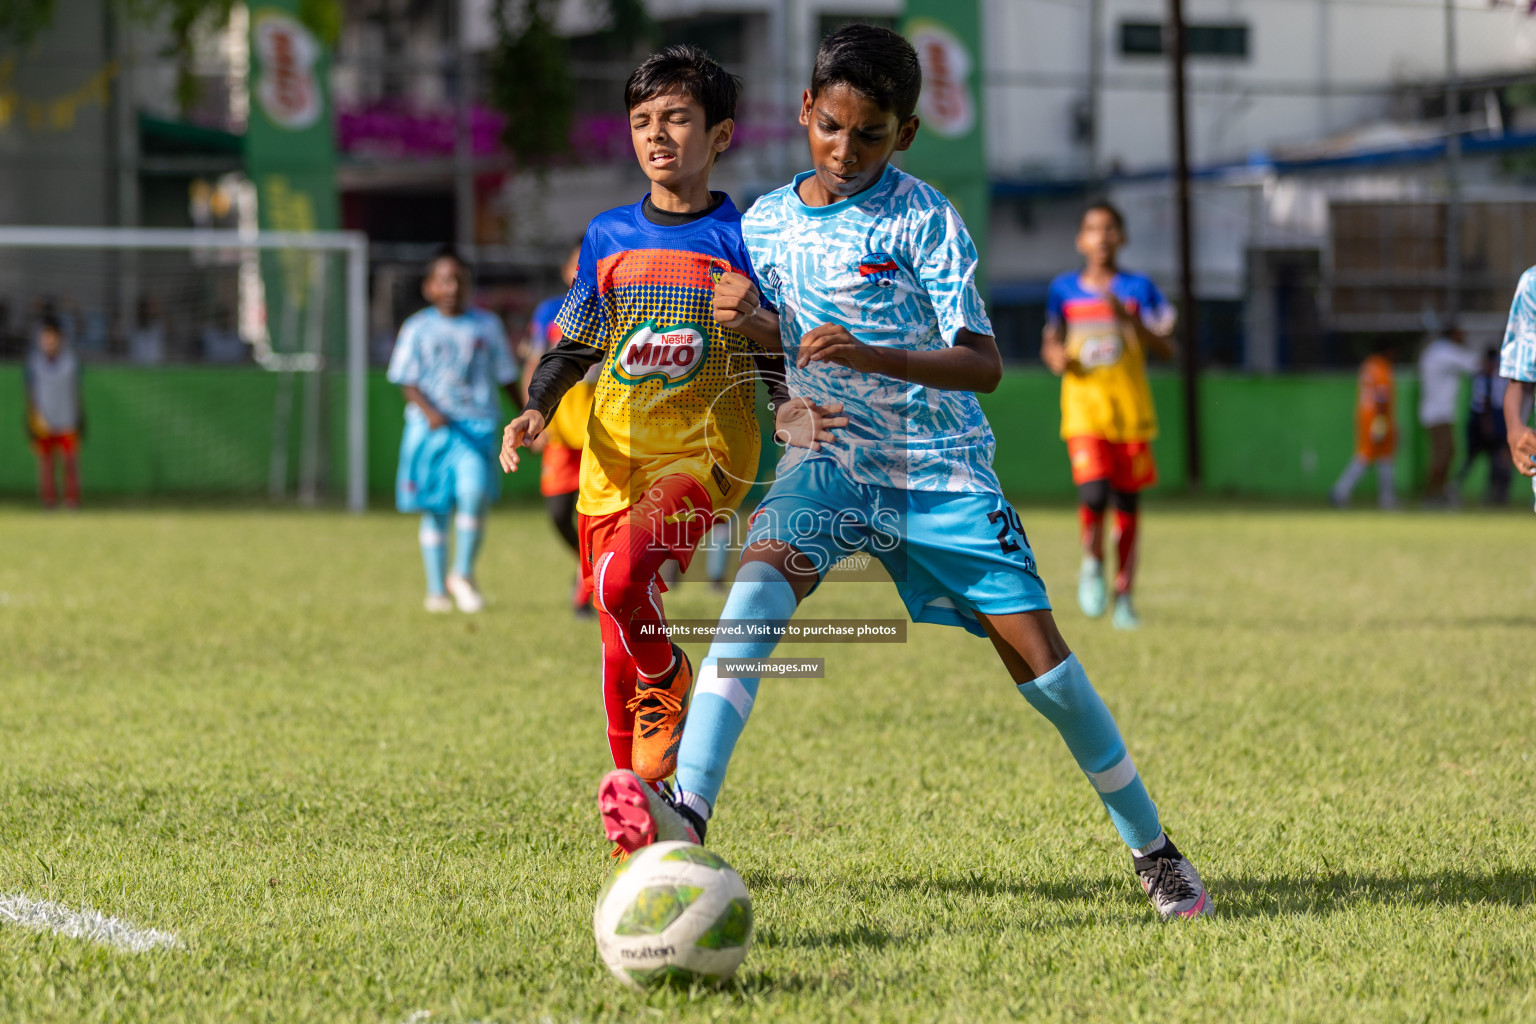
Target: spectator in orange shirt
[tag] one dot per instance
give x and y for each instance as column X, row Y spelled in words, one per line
column 1375, row 431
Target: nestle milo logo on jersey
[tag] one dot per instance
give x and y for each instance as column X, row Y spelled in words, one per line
column 669, row 354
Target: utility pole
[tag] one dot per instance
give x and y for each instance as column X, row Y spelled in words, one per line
column 467, row 80
column 1189, row 334
column 1452, row 171
column 1095, row 75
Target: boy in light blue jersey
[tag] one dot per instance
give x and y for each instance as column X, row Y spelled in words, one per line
column 873, row 274
column 450, row 361
column 1517, row 364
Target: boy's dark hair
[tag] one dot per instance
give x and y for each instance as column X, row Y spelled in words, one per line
column 51, row 323
column 874, row 62
column 1109, row 208
column 688, row 69
column 446, row 252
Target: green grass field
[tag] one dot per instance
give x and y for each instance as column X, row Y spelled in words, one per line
column 241, row 728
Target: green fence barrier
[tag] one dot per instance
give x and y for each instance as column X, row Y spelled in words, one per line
column 209, row 431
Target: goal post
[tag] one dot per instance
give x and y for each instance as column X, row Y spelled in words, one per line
column 249, row 257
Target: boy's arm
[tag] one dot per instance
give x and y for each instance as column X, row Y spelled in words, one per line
column 1159, row 343
column 413, row 395
column 30, row 420
column 1517, row 416
column 972, row 363
column 799, row 422
column 738, row 306
column 558, row 371
column 1053, row 351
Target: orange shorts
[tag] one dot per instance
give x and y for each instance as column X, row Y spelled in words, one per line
column 559, row 470
column 1127, row 465
column 677, row 511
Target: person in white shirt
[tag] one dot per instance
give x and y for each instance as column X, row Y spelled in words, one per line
column 1441, row 365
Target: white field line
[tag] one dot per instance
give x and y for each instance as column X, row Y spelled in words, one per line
column 91, row 925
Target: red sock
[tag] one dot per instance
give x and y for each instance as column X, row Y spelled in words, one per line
column 71, row 479
column 1091, row 531
column 45, row 476
column 618, row 689
column 624, row 575
column 1125, row 548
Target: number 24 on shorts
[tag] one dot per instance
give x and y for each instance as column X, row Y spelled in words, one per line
column 1007, row 521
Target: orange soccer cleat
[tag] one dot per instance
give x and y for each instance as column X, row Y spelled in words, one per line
column 660, row 705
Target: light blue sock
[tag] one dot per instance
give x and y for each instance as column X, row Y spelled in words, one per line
column 434, row 548
column 1066, row 697
column 721, row 704
column 469, row 528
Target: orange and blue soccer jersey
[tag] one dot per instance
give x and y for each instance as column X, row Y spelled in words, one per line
column 1375, row 420
column 1104, row 390
column 676, row 391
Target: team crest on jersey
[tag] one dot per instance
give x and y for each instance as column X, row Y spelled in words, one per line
column 1101, row 350
column 879, row 268
column 671, row 355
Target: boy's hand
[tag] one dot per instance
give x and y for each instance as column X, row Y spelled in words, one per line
column 736, row 300
column 435, row 419
column 833, row 343
column 804, row 424
column 1522, row 449
column 521, row 431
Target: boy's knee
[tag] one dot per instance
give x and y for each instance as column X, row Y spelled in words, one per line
column 1094, row 495
column 618, row 589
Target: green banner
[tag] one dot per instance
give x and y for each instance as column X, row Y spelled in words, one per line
column 290, row 155
column 950, row 151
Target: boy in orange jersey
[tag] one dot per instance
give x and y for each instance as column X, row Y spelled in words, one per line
column 1100, row 324
column 664, row 302
column 1375, row 431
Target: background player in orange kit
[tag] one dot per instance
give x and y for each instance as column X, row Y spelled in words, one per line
column 1375, row 431
column 1101, row 322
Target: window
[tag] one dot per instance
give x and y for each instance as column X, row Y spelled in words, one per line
column 1221, row 40
column 1141, row 38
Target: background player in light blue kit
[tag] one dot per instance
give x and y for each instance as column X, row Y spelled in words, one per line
column 873, row 274
column 450, row 360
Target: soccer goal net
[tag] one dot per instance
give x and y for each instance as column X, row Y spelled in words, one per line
column 212, row 362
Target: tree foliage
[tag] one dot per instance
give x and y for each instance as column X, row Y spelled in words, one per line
column 528, row 74
column 22, row 20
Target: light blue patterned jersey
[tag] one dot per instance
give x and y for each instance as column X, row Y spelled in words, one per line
column 459, row 363
column 1517, row 357
column 896, row 267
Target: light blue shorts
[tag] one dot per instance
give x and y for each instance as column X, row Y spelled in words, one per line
column 951, row 554
column 452, row 466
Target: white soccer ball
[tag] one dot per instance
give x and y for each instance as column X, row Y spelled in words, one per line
column 673, row 913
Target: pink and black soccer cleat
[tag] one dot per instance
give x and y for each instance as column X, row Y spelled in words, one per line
column 1172, row 883
column 637, row 814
